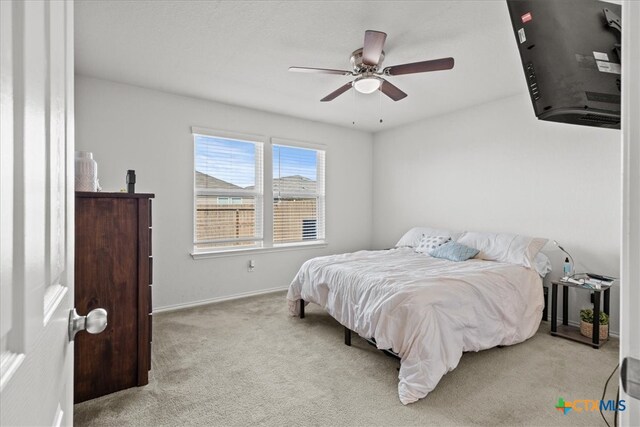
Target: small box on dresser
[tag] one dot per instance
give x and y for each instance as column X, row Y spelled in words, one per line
column 113, row 263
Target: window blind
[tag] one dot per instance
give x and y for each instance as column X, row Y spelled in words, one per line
column 298, row 194
column 228, row 193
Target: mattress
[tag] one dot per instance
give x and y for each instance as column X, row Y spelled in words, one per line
column 427, row 310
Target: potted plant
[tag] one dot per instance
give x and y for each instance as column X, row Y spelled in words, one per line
column 586, row 323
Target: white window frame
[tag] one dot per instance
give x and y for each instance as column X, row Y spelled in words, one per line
column 257, row 192
column 319, row 194
column 266, row 223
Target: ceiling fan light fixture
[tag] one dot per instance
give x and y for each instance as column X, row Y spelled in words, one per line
column 368, row 72
column 367, row 84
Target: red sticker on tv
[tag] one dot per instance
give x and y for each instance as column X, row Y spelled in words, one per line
column 526, row 17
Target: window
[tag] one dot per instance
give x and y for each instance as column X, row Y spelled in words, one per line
column 298, row 194
column 228, row 193
column 229, row 200
column 231, row 179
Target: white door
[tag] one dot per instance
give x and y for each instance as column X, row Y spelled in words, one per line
column 630, row 284
column 37, row 205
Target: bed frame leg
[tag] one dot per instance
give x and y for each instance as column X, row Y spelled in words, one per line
column 347, row 336
column 301, row 308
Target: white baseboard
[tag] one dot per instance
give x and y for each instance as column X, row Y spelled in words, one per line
column 185, row 305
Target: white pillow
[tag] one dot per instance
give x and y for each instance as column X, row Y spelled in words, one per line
column 504, row 247
column 429, row 243
column 412, row 237
column 542, row 264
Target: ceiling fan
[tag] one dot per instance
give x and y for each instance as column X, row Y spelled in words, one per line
column 367, row 62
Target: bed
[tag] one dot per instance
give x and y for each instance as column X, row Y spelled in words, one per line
column 426, row 310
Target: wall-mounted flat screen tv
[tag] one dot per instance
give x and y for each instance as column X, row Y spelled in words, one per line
column 570, row 51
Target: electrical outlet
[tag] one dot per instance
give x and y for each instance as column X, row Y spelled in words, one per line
column 251, row 266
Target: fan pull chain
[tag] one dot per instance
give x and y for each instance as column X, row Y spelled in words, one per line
column 380, row 104
column 354, row 105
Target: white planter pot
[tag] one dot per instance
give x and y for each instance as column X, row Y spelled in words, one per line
column 86, row 171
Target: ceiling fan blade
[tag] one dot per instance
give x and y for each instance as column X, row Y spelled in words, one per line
column 420, row 67
column 392, row 91
column 373, row 44
column 336, row 93
column 320, row 71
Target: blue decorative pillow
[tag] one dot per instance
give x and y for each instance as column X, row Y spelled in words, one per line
column 454, row 251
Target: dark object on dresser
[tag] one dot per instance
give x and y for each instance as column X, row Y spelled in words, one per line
column 131, row 181
column 113, row 270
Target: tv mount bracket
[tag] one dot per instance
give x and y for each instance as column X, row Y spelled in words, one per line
column 614, row 22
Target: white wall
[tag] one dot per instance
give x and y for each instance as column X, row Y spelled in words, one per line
column 495, row 167
column 128, row 127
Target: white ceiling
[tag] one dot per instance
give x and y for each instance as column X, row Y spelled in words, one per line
column 239, row 52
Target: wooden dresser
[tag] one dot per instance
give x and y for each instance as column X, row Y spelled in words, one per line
column 113, row 270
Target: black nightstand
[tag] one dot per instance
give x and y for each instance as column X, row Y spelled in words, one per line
column 573, row 332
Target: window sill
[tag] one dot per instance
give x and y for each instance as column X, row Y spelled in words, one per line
column 246, row 251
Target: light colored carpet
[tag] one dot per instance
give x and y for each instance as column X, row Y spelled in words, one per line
column 246, row 362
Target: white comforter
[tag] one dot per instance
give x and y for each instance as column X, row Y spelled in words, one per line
column 427, row 310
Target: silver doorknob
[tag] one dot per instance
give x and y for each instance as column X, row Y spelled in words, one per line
column 94, row 322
